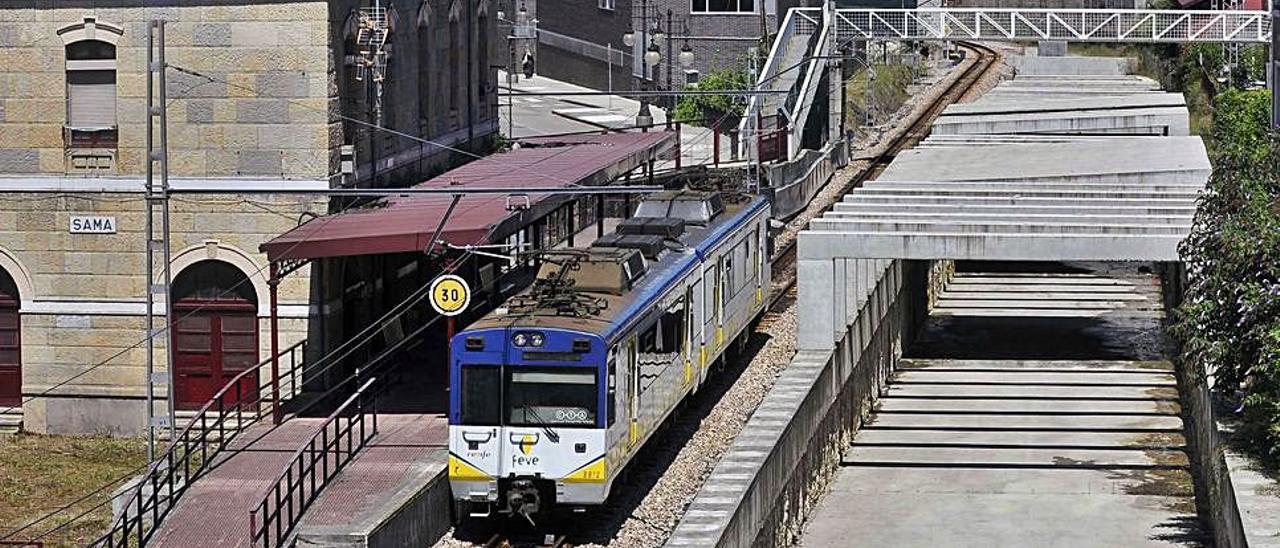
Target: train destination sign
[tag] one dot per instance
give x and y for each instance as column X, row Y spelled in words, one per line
column 450, row 295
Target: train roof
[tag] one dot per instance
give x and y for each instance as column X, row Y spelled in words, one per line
column 601, row 291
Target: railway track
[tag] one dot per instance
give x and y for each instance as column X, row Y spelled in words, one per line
column 501, row 540
column 784, row 261
column 682, row 429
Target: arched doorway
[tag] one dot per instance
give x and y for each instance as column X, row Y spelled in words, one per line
column 216, row 336
column 10, row 342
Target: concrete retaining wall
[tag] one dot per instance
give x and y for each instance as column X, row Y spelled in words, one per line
column 1215, row 496
column 763, row 489
column 794, row 184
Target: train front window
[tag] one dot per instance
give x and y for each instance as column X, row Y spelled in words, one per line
column 481, row 387
column 551, row 396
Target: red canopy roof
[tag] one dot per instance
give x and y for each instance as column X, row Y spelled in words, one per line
column 405, row 224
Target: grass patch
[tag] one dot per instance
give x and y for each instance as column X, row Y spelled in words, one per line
column 880, row 97
column 41, row 473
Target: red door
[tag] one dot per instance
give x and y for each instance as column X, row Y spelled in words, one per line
column 215, row 341
column 10, row 352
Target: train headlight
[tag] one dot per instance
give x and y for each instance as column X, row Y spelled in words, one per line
column 528, row 338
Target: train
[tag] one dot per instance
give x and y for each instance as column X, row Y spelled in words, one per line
column 554, row 393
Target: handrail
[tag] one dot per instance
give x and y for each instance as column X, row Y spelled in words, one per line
column 144, row 509
column 289, row 496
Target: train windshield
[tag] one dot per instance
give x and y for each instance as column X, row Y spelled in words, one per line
column 550, row 396
column 481, row 387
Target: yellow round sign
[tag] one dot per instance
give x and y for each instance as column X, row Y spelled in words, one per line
column 450, row 295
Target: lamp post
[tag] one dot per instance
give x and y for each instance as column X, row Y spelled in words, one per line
column 521, row 29
column 653, row 40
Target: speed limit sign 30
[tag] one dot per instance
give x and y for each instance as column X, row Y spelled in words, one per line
column 450, row 295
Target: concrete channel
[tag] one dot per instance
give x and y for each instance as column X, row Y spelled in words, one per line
column 1007, row 404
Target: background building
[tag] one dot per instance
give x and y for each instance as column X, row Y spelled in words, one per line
column 263, row 95
column 582, row 39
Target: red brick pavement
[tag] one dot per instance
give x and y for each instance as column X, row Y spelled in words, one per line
column 382, row 468
column 215, row 509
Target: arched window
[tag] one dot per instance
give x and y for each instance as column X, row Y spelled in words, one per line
column 458, row 78
column 482, row 55
column 91, row 130
column 424, row 68
column 10, row 342
column 216, row 332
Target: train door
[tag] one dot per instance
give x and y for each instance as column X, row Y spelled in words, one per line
column 717, row 303
column 758, row 263
column 686, row 334
column 633, row 393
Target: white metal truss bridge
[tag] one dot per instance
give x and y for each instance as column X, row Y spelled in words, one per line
column 1026, row 24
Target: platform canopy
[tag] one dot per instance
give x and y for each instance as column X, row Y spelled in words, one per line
column 1089, row 198
column 405, row 224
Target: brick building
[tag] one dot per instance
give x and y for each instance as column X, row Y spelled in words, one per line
column 262, row 94
column 581, row 40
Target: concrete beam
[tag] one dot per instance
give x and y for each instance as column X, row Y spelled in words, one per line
column 818, row 246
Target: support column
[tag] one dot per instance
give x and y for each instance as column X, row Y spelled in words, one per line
column 839, row 300
column 815, row 279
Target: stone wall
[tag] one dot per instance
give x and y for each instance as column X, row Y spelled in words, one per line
column 266, row 113
column 82, row 294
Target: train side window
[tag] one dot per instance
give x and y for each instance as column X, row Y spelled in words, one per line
column 612, row 401
column 649, row 342
column 671, row 327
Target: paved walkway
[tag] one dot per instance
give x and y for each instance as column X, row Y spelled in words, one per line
column 215, row 509
column 1001, row 450
column 541, row 115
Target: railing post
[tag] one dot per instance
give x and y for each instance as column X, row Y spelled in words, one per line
column 715, row 144
column 679, row 152
column 273, row 285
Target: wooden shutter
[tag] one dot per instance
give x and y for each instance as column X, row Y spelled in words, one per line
column 91, row 99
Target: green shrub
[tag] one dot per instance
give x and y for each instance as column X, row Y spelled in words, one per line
column 1230, row 319
column 705, row 110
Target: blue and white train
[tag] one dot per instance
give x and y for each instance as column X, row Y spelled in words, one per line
column 553, row 394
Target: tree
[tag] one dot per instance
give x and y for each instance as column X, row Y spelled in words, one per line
column 707, row 110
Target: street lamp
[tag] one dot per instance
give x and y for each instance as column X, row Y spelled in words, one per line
column 654, row 55
column 653, row 39
column 686, row 56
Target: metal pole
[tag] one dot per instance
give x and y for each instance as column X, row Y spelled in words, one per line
column 150, row 314
column 1275, row 67
column 511, row 87
column 273, row 285
column 164, row 189
column 671, row 101
column 679, row 152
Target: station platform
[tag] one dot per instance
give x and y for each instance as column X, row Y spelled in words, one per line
column 395, row 493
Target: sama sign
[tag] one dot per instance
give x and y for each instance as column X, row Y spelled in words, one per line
column 92, row 224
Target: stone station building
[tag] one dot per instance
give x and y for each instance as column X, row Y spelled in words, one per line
column 263, row 96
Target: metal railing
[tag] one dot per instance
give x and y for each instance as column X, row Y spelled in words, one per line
column 244, row 401
column 316, row 462
column 1072, row 25
column 797, row 22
